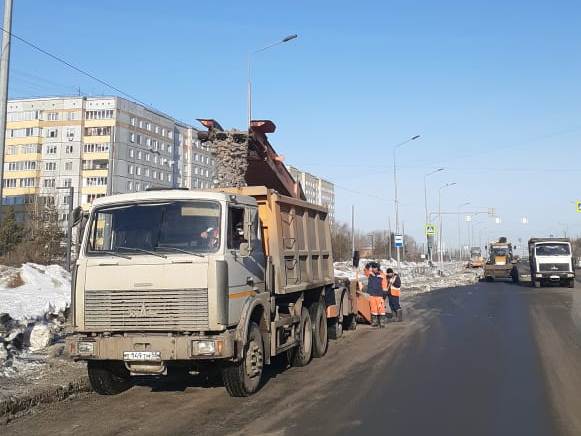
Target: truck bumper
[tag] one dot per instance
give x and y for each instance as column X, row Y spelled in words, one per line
column 164, row 347
column 553, row 276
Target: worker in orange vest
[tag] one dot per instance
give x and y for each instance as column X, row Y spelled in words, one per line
column 393, row 294
column 376, row 286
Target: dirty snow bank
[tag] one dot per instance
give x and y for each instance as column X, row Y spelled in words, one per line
column 33, row 301
column 417, row 277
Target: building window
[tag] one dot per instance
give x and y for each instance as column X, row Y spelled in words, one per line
column 94, row 181
column 50, row 166
column 154, row 175
column 105, row 114
column 148, row 126
column 72, row 116
column 163, row 146
column 161, row 176
column 69, row 149
column 138, row 139
column 156, row 129
column 130, row 169
column 169, row 177
column 131, row 137
column 131, row 153
column 147, row 157
column 67, row 183
column 138, row 171
column 138, row 186
column 10, row 183
column 130, row 185
column 52, row 133
column 132, row 121
column 28, row 182
column 98, row 131
column 139, row 154
column 66, row 199
column 70, row 133
column 68, row 166
column 141, row 124
column 148, row 142
column 49, row 183
column 146, row 172
column 96, row 148
column 52, row 116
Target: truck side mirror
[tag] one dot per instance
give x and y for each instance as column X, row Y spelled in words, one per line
column 356, row 259
column 244, row 249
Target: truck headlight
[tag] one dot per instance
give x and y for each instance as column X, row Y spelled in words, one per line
column 206, row 347
column 570, row 275
column 86, row 348
column 538, row 275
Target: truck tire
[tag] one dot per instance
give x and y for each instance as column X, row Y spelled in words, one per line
column 242, row 378
column 350, row 322
column 302, row 353
column 514, row 275
column 336, row 328
column 571, row 283
column 318, row 316
column 108, row 378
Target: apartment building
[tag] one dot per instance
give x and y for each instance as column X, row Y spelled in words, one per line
column 98, row 146
column 317, row 190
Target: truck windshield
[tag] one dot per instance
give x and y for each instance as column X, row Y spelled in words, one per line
column 169, row 226
column 553, row 250
column 500, row 251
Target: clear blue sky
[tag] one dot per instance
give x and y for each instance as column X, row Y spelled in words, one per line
column 493, row 87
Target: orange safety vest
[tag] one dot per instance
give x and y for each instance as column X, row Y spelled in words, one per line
column 396, row 292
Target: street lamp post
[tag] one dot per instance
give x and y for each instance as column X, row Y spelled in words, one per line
column 282, row 41
column 459, row 229
column 396, row 202
column 447, row 185
column 428, row 245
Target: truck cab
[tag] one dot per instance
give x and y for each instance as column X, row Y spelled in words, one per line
column 551, row 260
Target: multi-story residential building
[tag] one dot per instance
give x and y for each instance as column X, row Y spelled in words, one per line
column 98, row 146
column 317, row 190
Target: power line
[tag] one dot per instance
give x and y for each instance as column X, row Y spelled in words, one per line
column 74, row 67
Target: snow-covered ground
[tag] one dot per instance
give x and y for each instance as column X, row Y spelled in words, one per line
column 45, row 289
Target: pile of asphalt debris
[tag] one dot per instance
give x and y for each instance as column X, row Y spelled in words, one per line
column 230, row 150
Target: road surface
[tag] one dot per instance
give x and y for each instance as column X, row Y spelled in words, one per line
column 492, row 358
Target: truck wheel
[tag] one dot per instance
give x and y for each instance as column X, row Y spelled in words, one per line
column 302, row 353
column 571, row 283
column 514, row 275
column 350, row 322
column 108, row 378
column 320, row 337
column 336, row 328
column 242, row 378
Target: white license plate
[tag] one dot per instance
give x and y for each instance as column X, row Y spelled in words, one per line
column 142, row 356
column 554, row 277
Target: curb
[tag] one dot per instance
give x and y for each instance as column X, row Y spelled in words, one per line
column 13, row 405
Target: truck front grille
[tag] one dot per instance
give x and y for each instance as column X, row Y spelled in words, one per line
column 552, row 267
column 162, row 309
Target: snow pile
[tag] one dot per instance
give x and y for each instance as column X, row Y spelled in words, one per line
column 33, row 302
column 45, row 289
column 417, row 277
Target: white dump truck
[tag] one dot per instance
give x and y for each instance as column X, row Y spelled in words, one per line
column 551, row 260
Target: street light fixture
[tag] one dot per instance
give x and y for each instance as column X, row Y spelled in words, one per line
column 282, row 41
column 396, row 202
column 447, row 185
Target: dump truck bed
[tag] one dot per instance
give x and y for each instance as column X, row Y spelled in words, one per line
column 297, row 237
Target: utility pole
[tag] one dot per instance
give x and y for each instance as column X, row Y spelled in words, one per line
column 4, row 69
column 352, row 230
column 389, row 236
column 403, row 239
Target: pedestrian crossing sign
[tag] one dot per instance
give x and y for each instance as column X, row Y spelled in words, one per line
column 430, row 229
column 578, row 206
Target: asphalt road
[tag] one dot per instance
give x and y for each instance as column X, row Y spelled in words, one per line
column 488, row 359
